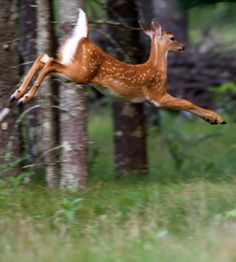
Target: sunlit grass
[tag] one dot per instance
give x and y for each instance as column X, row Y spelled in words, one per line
column 121, row 221
column 180, row 212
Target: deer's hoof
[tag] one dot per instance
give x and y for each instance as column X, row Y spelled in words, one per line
column 19, row 103
column 214, row 122
column 12, row 99
column 223, row 123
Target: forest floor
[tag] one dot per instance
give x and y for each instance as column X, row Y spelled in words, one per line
column 184, row 210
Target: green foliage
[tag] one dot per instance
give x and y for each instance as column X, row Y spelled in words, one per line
column 183, row 211
column 67, row 212
column 178, row 141
column 226, row 217
column 11, row 164
column 11, row 184
column 14, row 182
column 215, row 29
column 92, row 157
column 230, row 214
column 2, row 191
column 96, row 9
column 193, row 3
column 123, row 220
column 224, row 96
column 225, row 88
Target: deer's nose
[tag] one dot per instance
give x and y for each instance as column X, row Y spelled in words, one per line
column 182, row 48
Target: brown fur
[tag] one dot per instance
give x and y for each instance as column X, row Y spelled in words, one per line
column 135, row 82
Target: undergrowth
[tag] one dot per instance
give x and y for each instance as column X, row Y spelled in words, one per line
column 183, row 210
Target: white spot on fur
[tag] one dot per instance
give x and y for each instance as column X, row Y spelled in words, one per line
column 80, row 31
column 44, row 59
column 155, row 103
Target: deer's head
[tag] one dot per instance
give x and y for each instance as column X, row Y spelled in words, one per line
column 166, row 39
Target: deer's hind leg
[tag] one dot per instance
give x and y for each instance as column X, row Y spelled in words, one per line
column 50, row 66
column 168, row 101
column 37, row 66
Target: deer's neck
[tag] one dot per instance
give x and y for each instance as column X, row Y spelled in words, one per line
column 153, row 57
column 162, row 58
column 158, row 56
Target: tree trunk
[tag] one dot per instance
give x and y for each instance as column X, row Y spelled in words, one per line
column 31, row 125
column 129, row 128
column 9, row 77
column 73, row 115
column 172, row 17
column 49, row 95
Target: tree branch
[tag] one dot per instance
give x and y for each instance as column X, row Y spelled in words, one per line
column 113, row 23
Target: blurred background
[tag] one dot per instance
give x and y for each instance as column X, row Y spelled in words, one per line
column 148, row 141
column 148, row 184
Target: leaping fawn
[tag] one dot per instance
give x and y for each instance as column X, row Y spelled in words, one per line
column 83, row 62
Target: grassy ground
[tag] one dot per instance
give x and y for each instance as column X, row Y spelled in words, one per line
column 185, row 210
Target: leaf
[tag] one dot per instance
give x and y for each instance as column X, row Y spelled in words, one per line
column 230, row 214
column 71, row 215
column 76, row 202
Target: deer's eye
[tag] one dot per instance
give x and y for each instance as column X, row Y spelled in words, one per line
column 172, row 38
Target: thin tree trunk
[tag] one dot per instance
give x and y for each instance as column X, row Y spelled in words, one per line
column 29, row 50
column 9, row 77
column 129, row 127
column 48, row 95
column 73, row 116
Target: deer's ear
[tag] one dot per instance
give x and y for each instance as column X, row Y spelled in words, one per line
column 156, row 27
column 146, row 28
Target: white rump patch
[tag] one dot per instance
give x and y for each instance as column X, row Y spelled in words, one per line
column 44, row 59
column 80, row 31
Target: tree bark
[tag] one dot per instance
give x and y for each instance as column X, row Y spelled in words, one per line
column 129, row 127
column 31, row 125
column 73, row 115
column 49, row 95
column 9, row 77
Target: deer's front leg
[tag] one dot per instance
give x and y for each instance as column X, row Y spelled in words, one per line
column 168, row 101
column 51, row 66
column 37, row 65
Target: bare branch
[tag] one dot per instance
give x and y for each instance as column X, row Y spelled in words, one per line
column 49, row 151
column 118, row 47
column 3, row 113
column 113, row 23
column 21, row 117
column 23, row 64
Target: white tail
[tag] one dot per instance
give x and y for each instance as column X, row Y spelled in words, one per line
column 80, row 31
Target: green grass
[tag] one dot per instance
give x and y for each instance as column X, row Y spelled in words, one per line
column 185, row 210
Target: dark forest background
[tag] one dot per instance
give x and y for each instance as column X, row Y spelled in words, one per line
column 84, row 177
column 35, row 138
